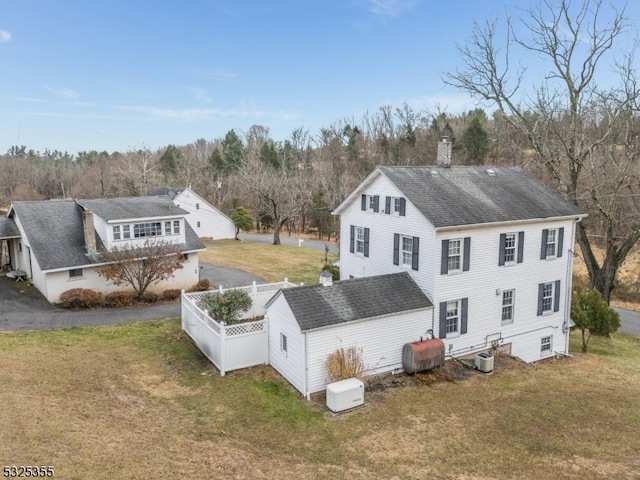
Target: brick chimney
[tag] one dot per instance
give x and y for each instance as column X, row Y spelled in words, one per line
column 443, row 158
column 89, row 232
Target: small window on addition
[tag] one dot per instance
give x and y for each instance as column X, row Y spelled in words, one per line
column 198, row 224
column 283, row 342
column 75, row 273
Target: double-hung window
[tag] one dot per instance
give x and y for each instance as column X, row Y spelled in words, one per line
column 359, row 240
column 116, row 232
column 548, row 297
column 126, row 232
column 511, row 248
column 167, row 228
column 176, row 227
column 508, row 297
column 453, row 262
column 453, row 317
column 370, row 203
column 456, row 254
column 552, row 240
column 406, row 251
column 546, row 345
column 395, row 206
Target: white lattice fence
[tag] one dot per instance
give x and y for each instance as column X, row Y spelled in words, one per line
column 230, row 347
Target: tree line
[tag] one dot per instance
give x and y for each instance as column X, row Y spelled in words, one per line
column 568, row 126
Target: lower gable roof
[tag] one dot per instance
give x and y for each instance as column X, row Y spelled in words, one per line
column 318, row 306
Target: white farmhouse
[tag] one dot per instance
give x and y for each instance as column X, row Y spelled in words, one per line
column 205, row 219
column 490, row 247
column 57, row 244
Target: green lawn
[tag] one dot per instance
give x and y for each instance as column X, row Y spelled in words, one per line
column 271, row 262
column 140, row 400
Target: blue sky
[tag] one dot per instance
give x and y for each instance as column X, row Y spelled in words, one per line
column 118, row 75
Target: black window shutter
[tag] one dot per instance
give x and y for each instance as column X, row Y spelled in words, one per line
column 396, row 249
column 352, row 239
column 556, row 296
column 366, row 242
column 543, row 248
column 540, row 296
column 464, row 309
column 501, row 254
column 444, row 263
column 403, row 207
column 466, row 254
column 363, row 202
column 387, row 205
column 376, row 203
column 520, row 246
column 560, row 240
column 443, row 320
column 415, row 254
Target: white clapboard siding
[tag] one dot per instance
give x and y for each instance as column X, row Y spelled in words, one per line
column 482, row 284
column 380, row 342
column 290, row 364
column 205, row 219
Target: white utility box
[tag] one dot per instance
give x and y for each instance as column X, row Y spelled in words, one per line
column 345, row 394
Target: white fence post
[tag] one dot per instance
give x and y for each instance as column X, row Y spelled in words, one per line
column 223, row 335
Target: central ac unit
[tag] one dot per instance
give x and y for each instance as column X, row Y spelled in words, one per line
column 484, row 362
column 345, row 394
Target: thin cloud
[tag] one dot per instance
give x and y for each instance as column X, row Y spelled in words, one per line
column 391, row 8
column 199, row 114
column 4, row 36
column 201, row 94
column 62, row 92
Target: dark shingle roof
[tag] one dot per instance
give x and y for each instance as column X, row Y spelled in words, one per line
column 318, row 306
column 128, row 208
column 56, row 233
column 8, row 228
column 457, row 195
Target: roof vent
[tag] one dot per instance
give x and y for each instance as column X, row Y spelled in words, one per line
column 491, row 172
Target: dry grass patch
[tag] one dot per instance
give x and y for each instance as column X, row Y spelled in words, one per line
column 141, row 401
column 269, row 261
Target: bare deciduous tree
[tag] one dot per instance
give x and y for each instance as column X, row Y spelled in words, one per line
column 140, row 266
column 582, row 132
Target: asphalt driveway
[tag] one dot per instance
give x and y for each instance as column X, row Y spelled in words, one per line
column 22, row 307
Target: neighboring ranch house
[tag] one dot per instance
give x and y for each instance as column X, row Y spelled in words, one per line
column 59, row 242
column 491, row 247
column 205, row 219
column 378, row 315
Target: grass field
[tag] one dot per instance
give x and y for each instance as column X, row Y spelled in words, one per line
column 141, row 401
column 271, row 262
